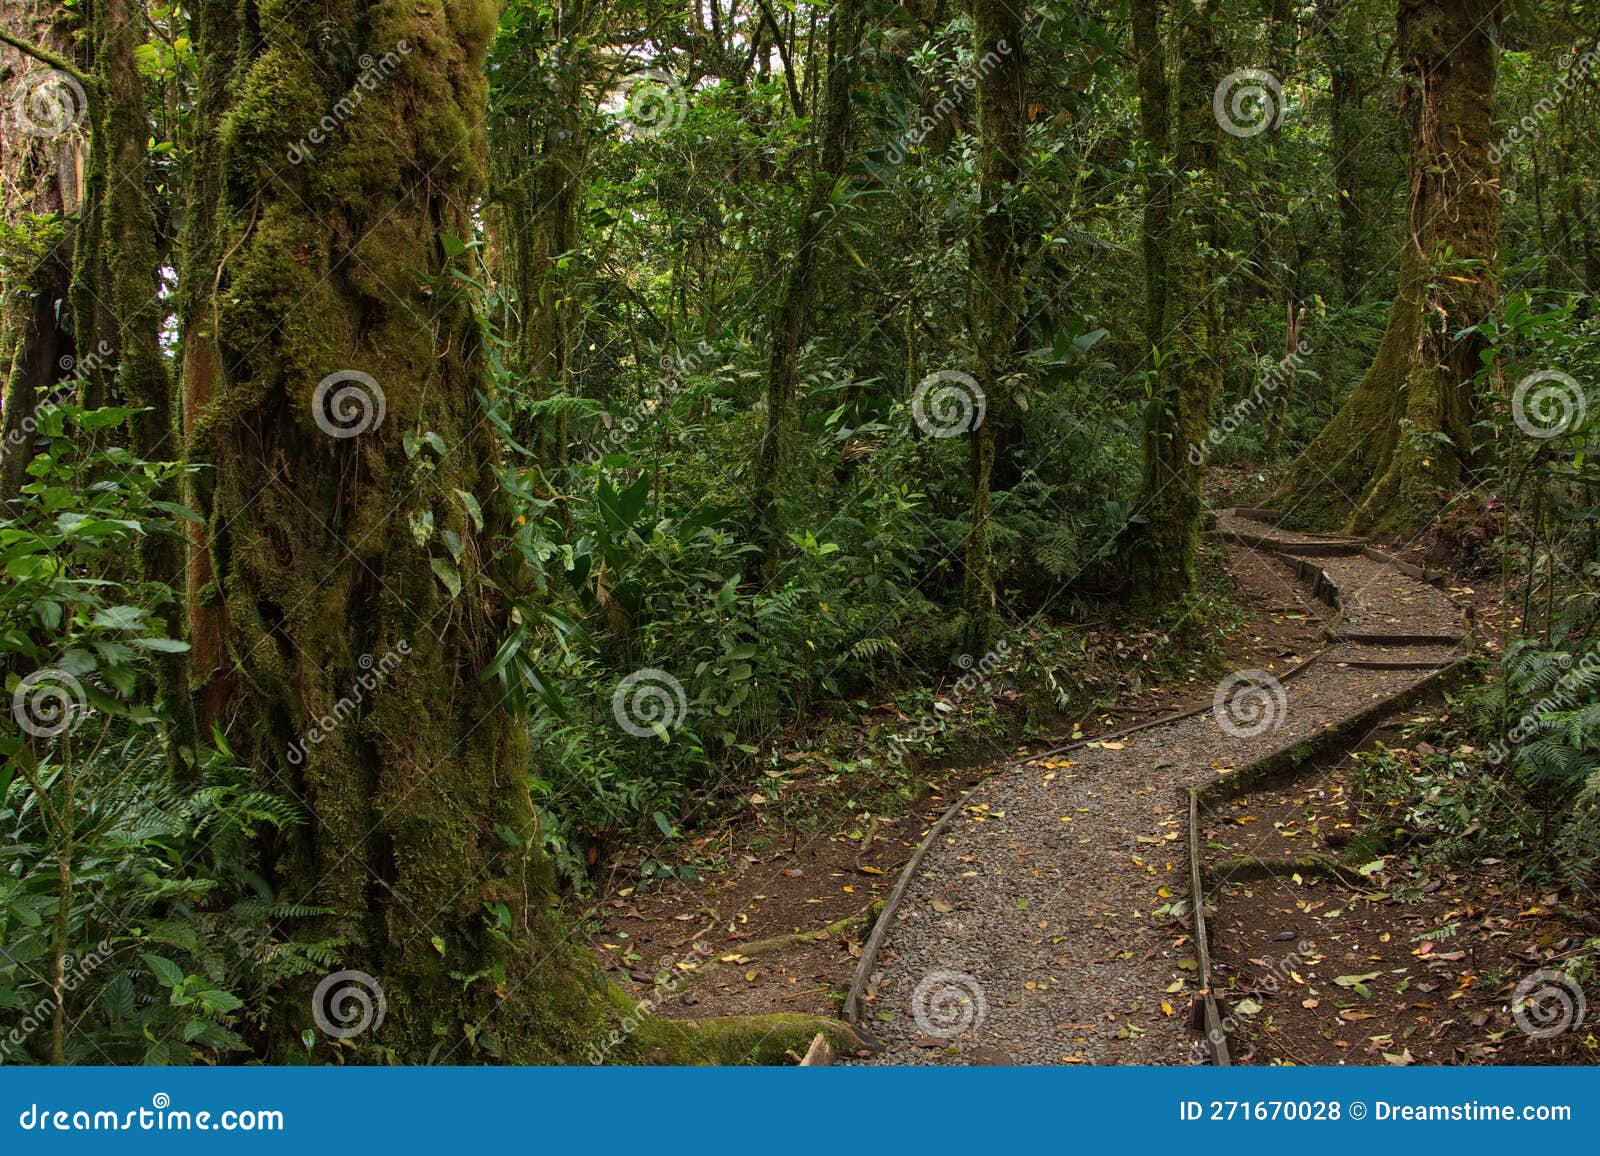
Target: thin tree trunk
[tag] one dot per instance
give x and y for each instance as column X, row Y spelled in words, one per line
column 41, row 178
column 137, row 314
column 1165, row 545
column 997, row 299
column 788, row 322
column 1156, row 128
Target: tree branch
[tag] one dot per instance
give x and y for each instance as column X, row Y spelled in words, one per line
column 45, row 56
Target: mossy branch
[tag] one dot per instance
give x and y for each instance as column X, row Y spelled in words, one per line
column 45, row 56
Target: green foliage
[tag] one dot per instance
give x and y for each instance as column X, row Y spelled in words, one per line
column 128, row 908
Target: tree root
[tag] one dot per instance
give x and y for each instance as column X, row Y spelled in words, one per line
column 761, row 947
column 769, row 1039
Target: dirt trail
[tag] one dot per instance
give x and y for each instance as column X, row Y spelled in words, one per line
column 1047, row 920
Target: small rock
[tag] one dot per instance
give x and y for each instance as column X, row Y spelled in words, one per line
column 986, row 1055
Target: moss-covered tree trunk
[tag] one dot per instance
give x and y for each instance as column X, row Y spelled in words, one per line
column 540, row 151
column 131, row 296
column 1164, row 546
column 40, row 176
column 788, row 319
column 1156, row 128
column 342, row 414
column 1403, row 438
column 997, row 293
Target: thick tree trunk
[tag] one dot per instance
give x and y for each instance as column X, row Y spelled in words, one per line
column 997, row 297
column 1165, row 545
column 1360, row 472
column 788, row 320
column 355, row 681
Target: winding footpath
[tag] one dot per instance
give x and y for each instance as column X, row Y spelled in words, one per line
column 1046, row 919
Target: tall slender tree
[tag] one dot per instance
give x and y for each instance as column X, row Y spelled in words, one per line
column 1165, row 544
column 789, row 317
column 997, row 294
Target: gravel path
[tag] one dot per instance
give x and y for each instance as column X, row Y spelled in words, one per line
column 1037, row 928
column 1374, row 596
